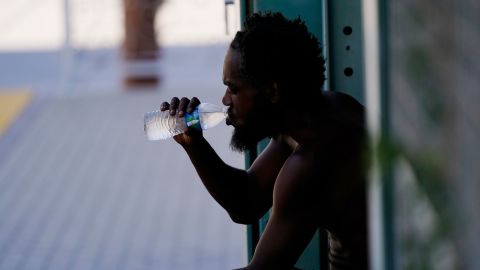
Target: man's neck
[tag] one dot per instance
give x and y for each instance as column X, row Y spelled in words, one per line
column 301, row 127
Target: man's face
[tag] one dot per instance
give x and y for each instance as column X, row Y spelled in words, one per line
column 249, row 111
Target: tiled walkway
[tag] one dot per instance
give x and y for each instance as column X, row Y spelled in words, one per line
column 81, row 188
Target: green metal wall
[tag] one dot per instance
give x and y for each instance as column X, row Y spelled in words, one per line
column 344, row 47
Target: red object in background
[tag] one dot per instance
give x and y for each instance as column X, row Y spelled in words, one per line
column 140, row 48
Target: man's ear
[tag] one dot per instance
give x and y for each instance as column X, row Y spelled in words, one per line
column 272, row 92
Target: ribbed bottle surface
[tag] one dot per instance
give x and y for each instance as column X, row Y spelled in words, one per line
column 161, row 125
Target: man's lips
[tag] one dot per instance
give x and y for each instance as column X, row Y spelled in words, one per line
column 229, row 119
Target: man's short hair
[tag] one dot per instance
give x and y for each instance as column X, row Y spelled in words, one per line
column 273, row 48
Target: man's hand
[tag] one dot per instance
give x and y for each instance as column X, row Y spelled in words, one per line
column 180, row 107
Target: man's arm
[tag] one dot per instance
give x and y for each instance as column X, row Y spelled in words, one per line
column 245, row 194
column 294, row 217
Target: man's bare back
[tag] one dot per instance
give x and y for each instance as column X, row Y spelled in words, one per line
column 323, row 179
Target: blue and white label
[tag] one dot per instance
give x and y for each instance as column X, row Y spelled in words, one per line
column 192, row 120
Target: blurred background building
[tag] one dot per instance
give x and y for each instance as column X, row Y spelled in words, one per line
column 80, row 186
column 434, row 131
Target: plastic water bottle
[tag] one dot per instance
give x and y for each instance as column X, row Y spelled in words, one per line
column 160, row 125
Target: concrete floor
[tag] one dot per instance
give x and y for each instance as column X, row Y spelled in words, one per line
column 82, row 188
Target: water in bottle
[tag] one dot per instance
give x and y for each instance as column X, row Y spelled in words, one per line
column 160, row 125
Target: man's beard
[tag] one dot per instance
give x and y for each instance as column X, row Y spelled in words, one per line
column 245, row 138
column 258, row 126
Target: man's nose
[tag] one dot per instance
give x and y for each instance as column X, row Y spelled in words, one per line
column 227, row 98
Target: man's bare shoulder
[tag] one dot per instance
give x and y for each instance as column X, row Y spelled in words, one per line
column 302, row 177
column 307, row 158
column 346, row 107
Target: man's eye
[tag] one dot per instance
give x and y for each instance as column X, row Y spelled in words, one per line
column 233, row 90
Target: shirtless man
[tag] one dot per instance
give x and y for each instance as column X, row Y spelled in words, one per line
column 312, row 173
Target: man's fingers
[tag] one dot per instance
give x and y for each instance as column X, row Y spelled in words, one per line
column 193, row 104
column 174, row 105
column 165, row 106
column 183, row 106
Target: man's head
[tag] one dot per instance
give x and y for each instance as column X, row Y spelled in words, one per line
column 272, row 64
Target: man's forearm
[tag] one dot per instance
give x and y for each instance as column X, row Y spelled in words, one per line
column 227, row 185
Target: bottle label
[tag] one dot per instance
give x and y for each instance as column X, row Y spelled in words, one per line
column 192, row 120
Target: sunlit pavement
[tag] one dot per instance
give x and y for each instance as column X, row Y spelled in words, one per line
column 82, row 188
